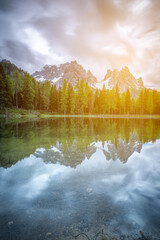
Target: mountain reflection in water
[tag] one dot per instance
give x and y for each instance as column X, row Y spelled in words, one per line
column 71, row 140
column 62, row 177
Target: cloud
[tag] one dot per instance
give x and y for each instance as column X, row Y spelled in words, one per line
column 99, row 34
column 22, row 53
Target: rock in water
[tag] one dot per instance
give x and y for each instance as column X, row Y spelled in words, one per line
column 10, row 223
column 89, row 190
column 48, row 234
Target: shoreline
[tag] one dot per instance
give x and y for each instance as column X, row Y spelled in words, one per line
column 23, row 115
column 38, row 118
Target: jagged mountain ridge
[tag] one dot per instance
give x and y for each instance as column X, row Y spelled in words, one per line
column 124, row 79
column 72, row 72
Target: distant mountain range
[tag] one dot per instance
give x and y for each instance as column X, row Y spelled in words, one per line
column 74, row 72
column 124, row 79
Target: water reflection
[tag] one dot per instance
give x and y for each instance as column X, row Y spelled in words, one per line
column 69, row 141
column 72, row 179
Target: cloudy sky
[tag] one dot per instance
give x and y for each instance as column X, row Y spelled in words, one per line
column 99, row 34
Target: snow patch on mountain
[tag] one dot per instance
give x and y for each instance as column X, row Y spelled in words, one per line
column 72, row 72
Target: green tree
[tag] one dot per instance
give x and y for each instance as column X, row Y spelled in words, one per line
column 112, row 101
column 140, row 103
column 3, row 88
column 17, row 85
column 59, row 93
column 38, row 96
column 117, row 100
column 81, row 97
column 9, row 89
column 150, row 103
column 102, row 100
column 36, row 92
column 71, row 99
column 91, row 99
column 127, row 102
column 28, row 92
column 156, row 102
column 96, row 102
column 64, row 97
column 122, row 103
column 53, row 99
column 45, row 94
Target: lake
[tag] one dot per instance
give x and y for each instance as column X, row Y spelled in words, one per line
column 63, row 177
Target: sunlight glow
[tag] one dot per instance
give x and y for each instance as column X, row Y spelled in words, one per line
column 117, row 50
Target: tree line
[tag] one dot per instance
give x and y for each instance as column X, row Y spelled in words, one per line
column 23, row 91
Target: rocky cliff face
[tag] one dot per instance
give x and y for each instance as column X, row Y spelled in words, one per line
column 124, row 79
column 72, row 72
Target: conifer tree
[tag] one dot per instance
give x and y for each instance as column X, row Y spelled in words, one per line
column 102, row 100
column 59, row 93
column 39, row 99
column 127, row 102
column 9, row 89
column 64, row 97
column 122, row 102
column 117, row 99
column 17, row 85
column 91, row 99
column 82, row 97
column 156, row 102
column 28, row 92
column 53, row 99
column 71, row 99
column 140, row 103
column 36, row 90
column 112, row 101
column 150, row 103
column 45, row 94
column 96, row 102
column 3, row 88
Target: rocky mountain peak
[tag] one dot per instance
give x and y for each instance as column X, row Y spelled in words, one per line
column 125, row 80
column 71, row 71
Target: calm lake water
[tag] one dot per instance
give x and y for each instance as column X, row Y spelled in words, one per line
column 63, row 177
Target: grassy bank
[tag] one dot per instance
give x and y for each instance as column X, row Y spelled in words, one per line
column 13, row 114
